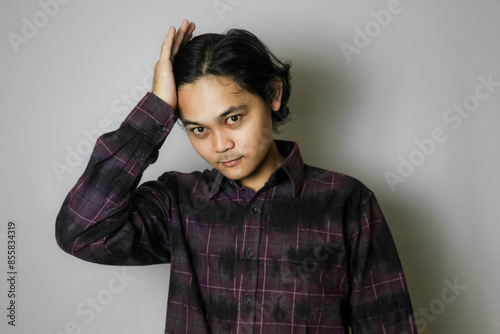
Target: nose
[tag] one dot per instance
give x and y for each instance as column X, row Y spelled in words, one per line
column 222, row 141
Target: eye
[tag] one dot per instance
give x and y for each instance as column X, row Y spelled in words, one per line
column 198, row 130
column 233, row 119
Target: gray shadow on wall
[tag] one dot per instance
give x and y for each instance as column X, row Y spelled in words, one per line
column 316, row 125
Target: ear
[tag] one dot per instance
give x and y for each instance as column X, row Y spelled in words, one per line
column 277, row 87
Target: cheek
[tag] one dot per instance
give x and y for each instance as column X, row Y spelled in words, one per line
column 264, row 135
column 258, row 134
column 200, row 147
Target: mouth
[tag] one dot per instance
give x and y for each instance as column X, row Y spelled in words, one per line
column 231, row 163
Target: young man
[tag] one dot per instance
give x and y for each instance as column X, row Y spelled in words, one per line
column 261, row 243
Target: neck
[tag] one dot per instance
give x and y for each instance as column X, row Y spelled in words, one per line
column 272, row 161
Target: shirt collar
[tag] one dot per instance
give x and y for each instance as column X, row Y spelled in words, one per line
column 293, row 166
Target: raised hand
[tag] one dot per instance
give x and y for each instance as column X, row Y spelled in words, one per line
column 163, row 79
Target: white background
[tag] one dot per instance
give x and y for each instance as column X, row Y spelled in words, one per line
column 359, row 115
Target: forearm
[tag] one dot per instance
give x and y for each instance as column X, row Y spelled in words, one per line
column 104, row 216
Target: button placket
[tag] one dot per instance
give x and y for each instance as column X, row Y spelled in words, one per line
column 249, row 254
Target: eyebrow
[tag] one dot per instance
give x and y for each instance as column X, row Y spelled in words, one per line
column 221, row 116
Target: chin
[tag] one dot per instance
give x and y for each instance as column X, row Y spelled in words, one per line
column 233, row 175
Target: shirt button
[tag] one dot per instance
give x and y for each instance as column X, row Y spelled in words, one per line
column 253, row 210
column 247, row 298
column 163, row 128
column 250, row 253
column 140, row 157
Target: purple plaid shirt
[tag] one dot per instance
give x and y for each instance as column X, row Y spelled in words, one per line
column 310, row 252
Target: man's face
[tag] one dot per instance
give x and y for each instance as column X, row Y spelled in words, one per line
column 229, row 127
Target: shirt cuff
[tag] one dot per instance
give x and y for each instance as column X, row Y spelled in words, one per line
column 153, row 117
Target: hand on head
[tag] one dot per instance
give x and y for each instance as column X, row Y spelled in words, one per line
column 163, row 80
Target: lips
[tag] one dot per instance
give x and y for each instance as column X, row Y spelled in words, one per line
column 231, row 163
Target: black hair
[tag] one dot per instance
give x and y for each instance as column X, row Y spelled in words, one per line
column 240, row 55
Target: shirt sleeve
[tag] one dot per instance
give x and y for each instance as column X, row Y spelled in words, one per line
column 105, row 218
column 380, row 302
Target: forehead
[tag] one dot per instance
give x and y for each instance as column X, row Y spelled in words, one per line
column 210, row 96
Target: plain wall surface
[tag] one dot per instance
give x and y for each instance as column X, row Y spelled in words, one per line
column 403, row 95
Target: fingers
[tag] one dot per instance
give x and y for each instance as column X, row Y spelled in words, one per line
column 190, row 30
column 183, row 35
column 166, row 47
column 179, row 37
column 163, row 78
column 163, row 65
column 175, row 40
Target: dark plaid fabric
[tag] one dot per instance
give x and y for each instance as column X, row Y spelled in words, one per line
column 310, row 252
